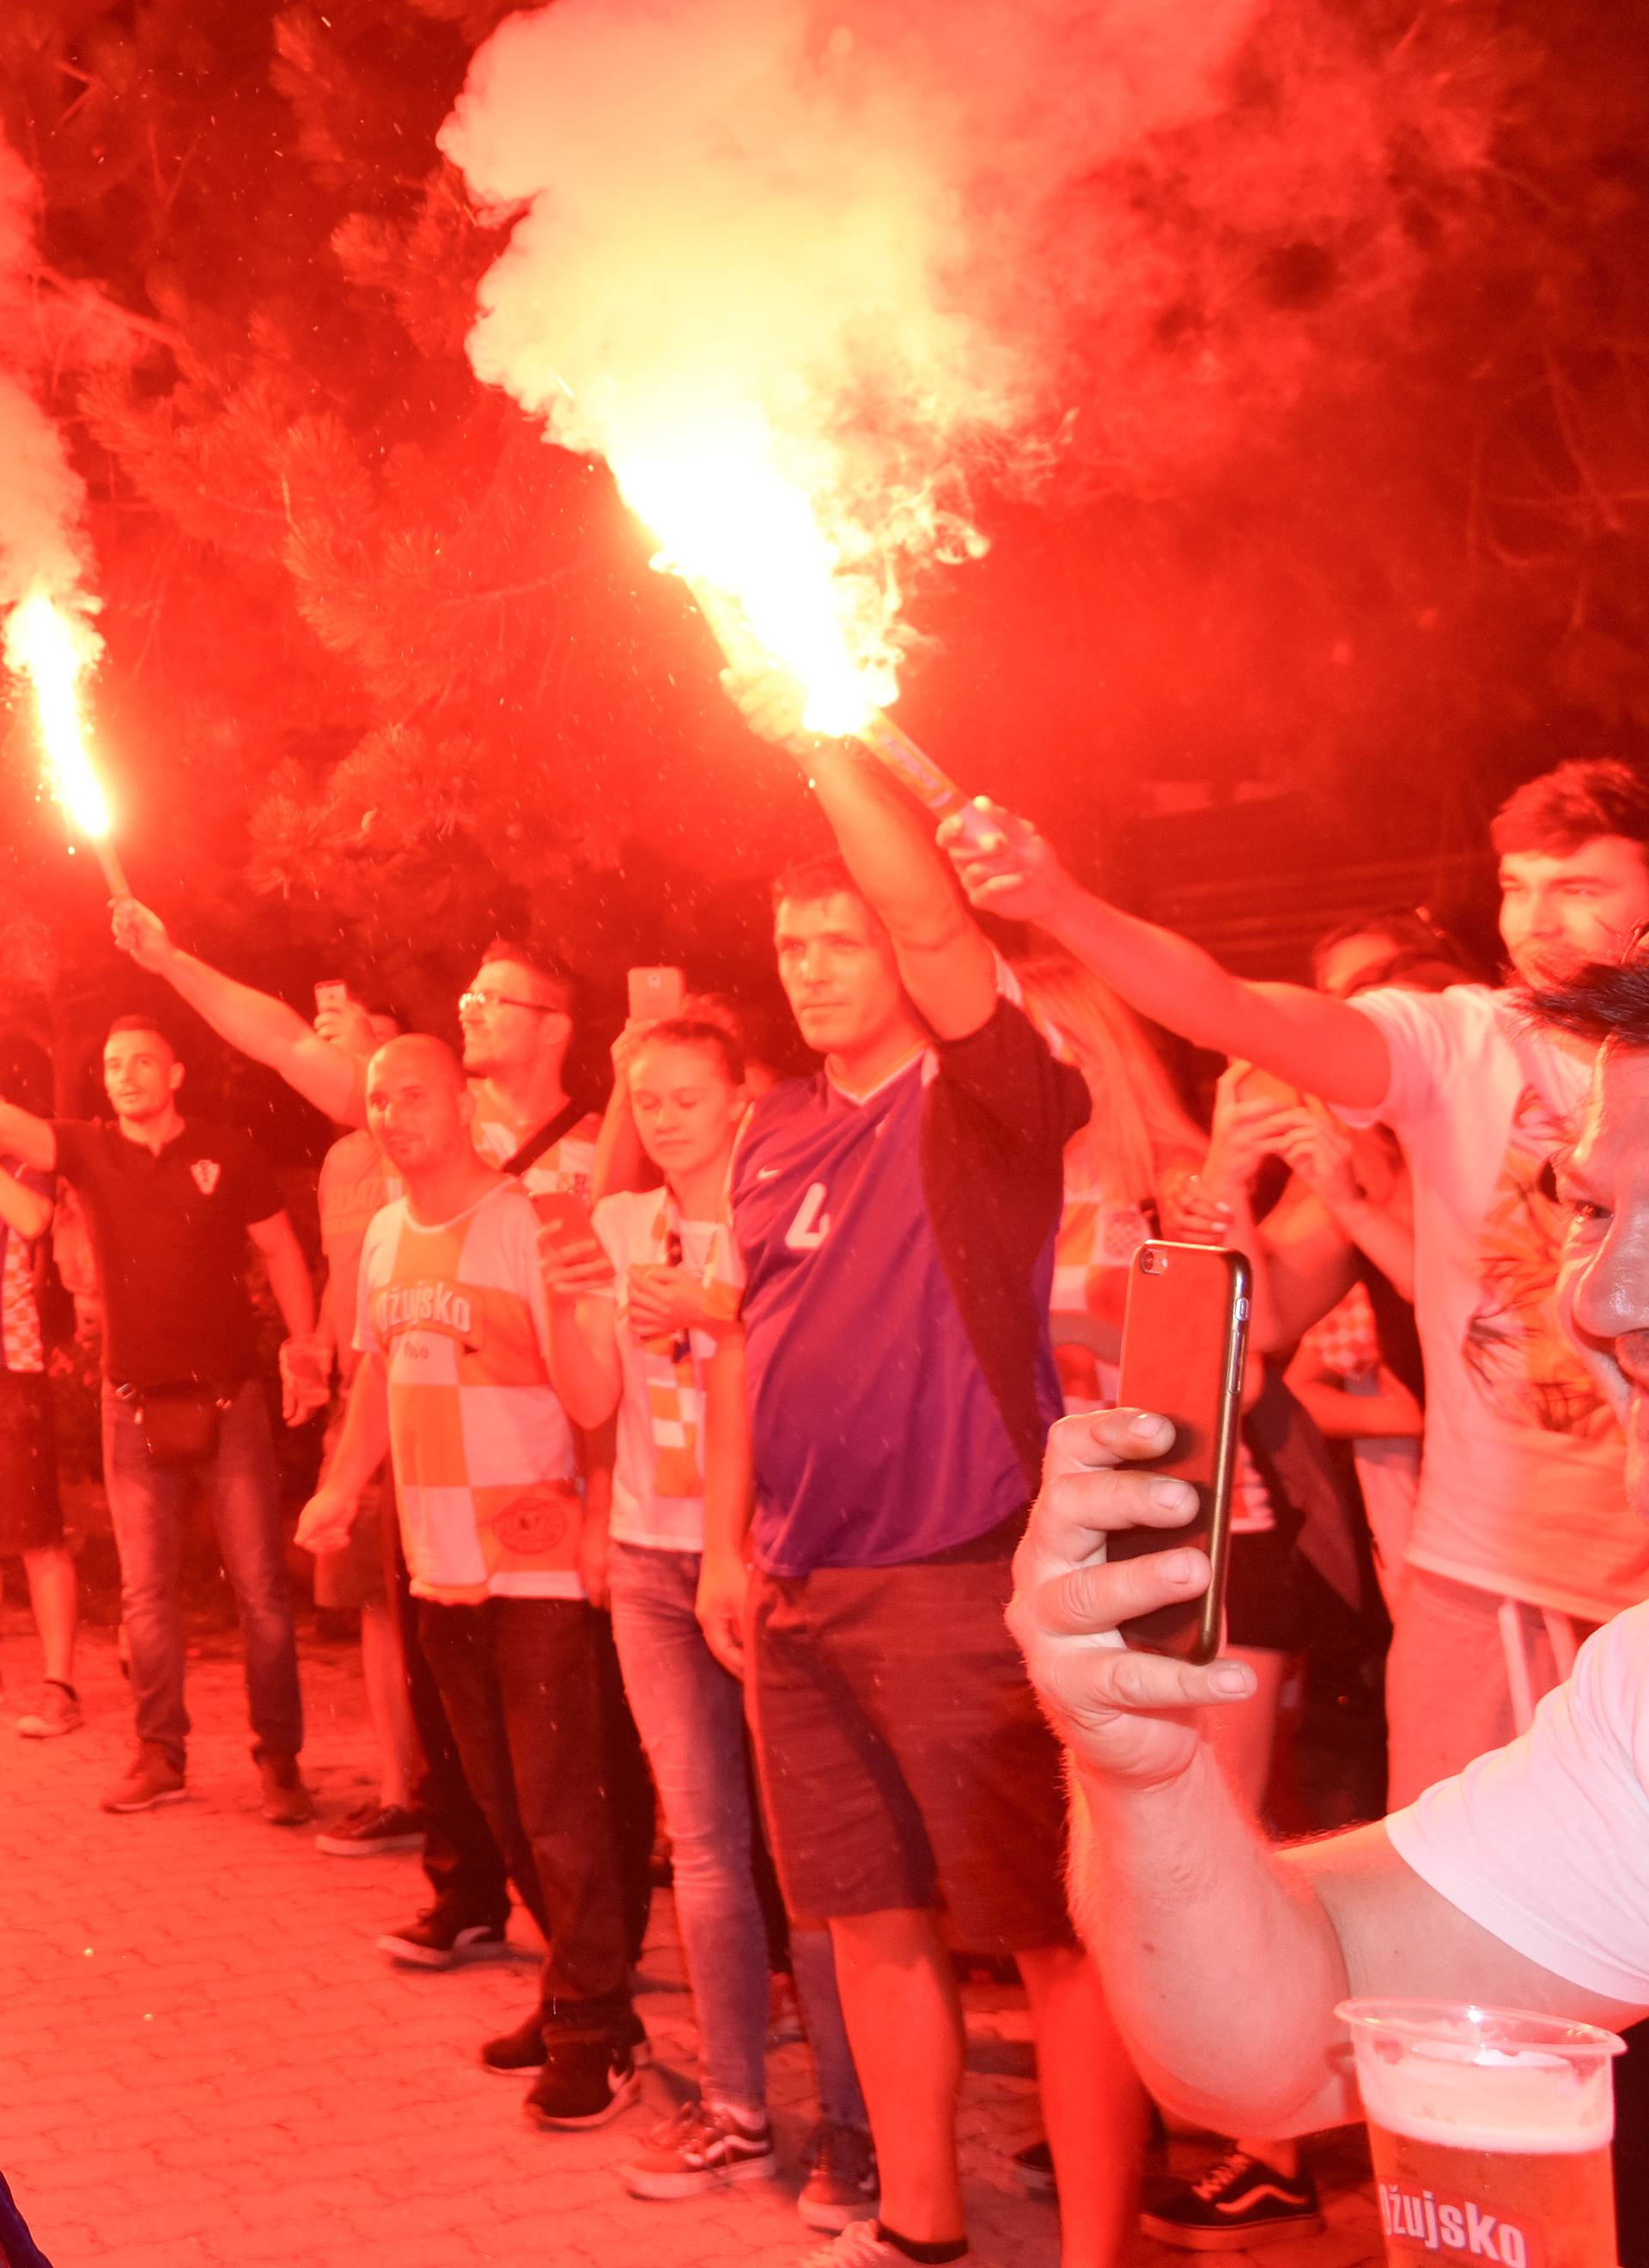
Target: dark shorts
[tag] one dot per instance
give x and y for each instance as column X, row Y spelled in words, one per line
column 31, row 1516
column 904, row 1761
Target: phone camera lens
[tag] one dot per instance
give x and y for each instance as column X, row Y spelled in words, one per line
column 1148, row 1261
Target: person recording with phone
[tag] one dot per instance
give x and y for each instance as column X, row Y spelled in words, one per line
column 1522, row 1881
column 638, row 1278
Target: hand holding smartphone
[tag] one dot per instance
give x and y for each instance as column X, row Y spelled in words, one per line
column 1183, row 1347
column 572, row 1255
column 656, row 993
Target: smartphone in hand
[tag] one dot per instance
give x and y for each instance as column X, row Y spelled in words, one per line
column 655, row 993
column 331, row 992
column 1183, row 1346
column 563, row 1215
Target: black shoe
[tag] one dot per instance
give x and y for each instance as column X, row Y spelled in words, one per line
column 1240, row 2201
column 1033, row 2169
column 523, row 2050
column 588, row 2078
column 441, row 1939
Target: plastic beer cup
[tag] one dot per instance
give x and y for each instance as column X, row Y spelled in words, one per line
column 1489, row 2131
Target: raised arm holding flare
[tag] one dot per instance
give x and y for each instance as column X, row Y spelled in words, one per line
column 945, row 962
column 1322, row 1046
column 256, row 1023
column 1519, row 1542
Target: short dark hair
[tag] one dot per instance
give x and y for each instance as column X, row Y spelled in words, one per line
column 717, row 1039
column 144, row 1024
column 1581, row 800
column 806, row 880
column 558, row 984
column 1606, row 1000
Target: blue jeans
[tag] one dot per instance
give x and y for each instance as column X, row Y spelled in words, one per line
column 147, row 1503
column 691, row 1717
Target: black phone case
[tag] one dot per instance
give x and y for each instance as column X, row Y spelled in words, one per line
column 1184, row 1339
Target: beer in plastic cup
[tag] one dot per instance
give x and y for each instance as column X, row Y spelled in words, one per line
column 1489, row 2131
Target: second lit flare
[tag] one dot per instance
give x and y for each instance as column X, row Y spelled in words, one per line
column 53, row 647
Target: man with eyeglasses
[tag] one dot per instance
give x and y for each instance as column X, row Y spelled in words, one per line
column 516, row 1021
column 1520, row 1543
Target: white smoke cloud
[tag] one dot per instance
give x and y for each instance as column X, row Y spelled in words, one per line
column 892, row 247
column 42, row 498
column 806, row 227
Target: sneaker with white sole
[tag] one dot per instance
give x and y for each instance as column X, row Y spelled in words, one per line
column 587, row 2078
column 151, row 1777
column 841, row 2186
column 55, row 1709
column 1239, row 2202
column 862, row 2245
column 375, row 1828
column 703, row 2148
column 441, row 1939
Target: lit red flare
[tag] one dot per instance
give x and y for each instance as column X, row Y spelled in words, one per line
column 53, row 647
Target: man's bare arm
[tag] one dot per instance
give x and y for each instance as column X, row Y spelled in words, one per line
column 944, row 960
column 24, row 1209
column 1321, row 1046
column 723, row 1575
column 256, row 1023
column 1223, row 1959
column 28, row 1137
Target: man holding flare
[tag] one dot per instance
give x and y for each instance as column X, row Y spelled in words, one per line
column 1520, row 1543
column 1523, row 1882
column 888, row 1395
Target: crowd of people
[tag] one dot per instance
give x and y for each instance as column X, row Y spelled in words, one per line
column 689, row 1455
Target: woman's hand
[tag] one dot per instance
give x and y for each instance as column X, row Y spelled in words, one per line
column 664, row 1301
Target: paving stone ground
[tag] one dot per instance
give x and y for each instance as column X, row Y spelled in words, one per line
column 204, row 2063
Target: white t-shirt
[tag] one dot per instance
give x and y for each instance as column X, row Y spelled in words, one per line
column 1546, row 1843
column 659, row 1407
column 1520, row 1481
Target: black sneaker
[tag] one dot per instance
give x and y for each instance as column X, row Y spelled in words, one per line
column 1033, row 2169
column 440, row 1939
column 523, row 2050
column 1239, row 2202
column 374, row 1828
column 588, row 2078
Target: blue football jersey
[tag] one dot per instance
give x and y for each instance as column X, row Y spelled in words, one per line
column 897, row 1251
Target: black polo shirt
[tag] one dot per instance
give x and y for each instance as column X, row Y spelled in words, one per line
column 170, row 1234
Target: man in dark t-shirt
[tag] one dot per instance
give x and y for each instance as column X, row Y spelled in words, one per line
column 171, row 1204
column 891, row 1249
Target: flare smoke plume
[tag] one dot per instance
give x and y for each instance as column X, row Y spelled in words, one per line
column 42, row 499
column 890, row 247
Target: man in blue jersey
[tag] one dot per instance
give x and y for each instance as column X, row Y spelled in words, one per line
column 889, row 1392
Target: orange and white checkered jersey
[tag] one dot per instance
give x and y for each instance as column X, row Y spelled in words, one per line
column 481, row 1447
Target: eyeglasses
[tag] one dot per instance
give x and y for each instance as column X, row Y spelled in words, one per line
column 475, row 1004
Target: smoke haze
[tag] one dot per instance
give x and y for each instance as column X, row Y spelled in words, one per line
column 42, row 499
column 913, row 245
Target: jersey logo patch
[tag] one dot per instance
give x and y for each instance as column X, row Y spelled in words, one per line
column 208, row 1173
column 812, row 1225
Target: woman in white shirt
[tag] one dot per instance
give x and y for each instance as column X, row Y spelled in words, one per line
column 641, row 1316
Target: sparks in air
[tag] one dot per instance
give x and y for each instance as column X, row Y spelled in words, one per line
column 53, row 648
